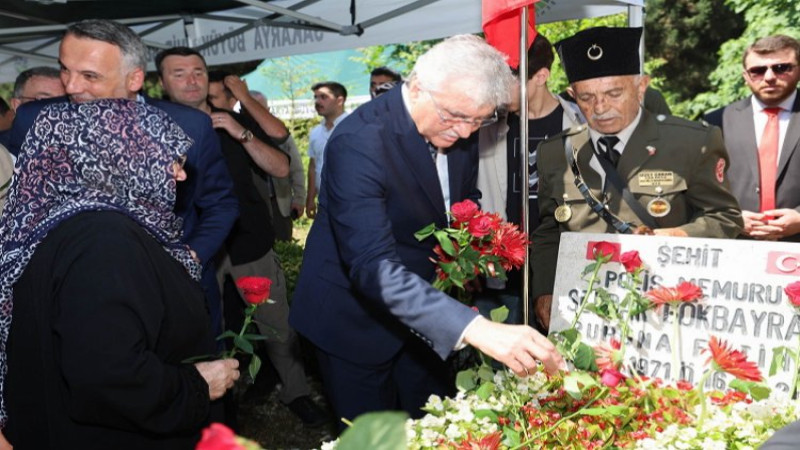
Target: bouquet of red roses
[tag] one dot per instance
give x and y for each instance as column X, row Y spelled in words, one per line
column 476, row 243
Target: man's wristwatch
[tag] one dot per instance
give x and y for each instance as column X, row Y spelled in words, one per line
column 246, row 136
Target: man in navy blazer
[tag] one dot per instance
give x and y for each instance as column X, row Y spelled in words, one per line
column 363, row 298
column 105, row 59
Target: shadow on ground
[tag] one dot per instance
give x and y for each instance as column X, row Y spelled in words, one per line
column 264, row 419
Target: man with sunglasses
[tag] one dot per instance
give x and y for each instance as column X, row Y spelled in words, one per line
column 762, row 135
column 364, row 298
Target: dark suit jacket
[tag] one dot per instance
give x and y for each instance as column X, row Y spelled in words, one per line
column 205, row 200
column 698, row 193
column 364, row 281
column 736, row 121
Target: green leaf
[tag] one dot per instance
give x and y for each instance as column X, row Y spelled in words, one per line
column 758, row 391
column 254, row 366
column 227, row 334
column 425, row 232
column 465, row 380
column 445, row 242
column 448, row 267
column 570, row 336
column 243, row 344
column 376, row 431
column 778, row 356
column 499, row 314
column 576, row 382
column 588, row 269
column 485, row 391
column 255, row 337
column 488, row 413
column 585, row 358
column 486, row 373
column 639, row 305
column 511, row 437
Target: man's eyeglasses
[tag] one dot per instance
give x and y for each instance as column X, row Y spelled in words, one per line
column 453, row 119
column 757, row 72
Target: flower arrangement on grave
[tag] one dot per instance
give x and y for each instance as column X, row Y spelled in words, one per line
column 604, row 402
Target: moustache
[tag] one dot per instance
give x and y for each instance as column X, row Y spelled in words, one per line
column 606, row 116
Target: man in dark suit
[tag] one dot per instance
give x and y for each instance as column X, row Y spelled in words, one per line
column 673, row 170
column 363, row 297
column 766, row 183
column 104, row 59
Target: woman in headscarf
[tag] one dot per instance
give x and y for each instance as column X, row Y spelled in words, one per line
column 103, row 294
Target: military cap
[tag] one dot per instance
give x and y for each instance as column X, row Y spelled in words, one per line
column 600, row 52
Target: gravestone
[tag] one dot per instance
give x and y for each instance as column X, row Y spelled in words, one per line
column 743, row 303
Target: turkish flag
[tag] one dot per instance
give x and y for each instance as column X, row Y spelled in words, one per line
column 500, row 19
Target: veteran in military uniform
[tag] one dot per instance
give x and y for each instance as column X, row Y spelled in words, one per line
column 626, row 169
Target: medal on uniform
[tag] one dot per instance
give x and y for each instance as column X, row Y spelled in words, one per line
column 563, row 213
column 659, row 206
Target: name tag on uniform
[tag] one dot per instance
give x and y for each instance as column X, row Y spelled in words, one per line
column 656, row 178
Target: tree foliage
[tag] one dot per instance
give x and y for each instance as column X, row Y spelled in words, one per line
column 762, row 18
column 682, row 38
column 399, row 57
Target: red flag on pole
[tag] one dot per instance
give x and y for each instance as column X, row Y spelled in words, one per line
column 500, row 19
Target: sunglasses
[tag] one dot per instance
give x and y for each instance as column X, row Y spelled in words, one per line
column 777, row 69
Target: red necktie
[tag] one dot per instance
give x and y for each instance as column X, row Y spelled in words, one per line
column 768, row 159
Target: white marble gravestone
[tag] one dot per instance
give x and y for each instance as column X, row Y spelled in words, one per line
column 744, row 303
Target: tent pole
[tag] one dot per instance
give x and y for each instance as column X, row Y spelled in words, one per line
column 523, row 149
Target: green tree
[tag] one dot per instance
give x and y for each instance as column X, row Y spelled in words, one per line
column 762, row 18
column 682, row 38
column 295, row 77
column 400, row 57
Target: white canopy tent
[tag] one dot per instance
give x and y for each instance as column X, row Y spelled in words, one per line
column 265, row 29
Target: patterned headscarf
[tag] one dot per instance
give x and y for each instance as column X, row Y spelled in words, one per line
column 105, row 155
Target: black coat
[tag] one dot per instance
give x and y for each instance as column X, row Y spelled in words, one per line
column 103, row 317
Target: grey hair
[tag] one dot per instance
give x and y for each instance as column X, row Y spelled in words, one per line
column 466, row 57
column 134, row 52
column 39, row 71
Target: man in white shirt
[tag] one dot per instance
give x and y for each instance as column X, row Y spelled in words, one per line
column 329, row 98
column 770, row 199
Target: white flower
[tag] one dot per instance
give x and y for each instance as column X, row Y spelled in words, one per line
column 330, row 445
column 453, row 432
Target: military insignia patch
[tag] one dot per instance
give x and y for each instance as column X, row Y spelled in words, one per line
column 656, row 178
column 658, row 207
column 720, row 170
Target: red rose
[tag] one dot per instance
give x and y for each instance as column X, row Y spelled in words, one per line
column 480, row 226
column 256, row 289
column 608, row 250
column 631, row 261
column 463, row 211
column 611, row 377
column 218, row 437
column 793, row 292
